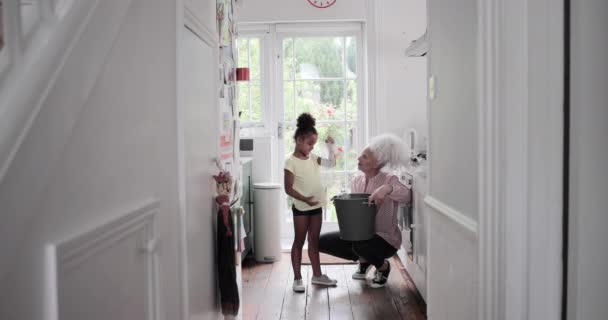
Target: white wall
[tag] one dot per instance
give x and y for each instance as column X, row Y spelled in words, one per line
column 402, row 90
column 453, row 112
column 299, row 10
column 120, row 151
column 588, row 256
column 452, row 272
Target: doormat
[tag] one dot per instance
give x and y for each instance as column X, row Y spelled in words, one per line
column 325, row 259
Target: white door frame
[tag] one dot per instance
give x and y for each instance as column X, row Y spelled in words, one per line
column 521, row 73
column 286, row 30
column 187, row 20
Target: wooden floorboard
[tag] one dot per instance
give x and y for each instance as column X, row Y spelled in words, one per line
column 360, row 295
column 406, row 300
column 339, row 299
column 254, row 283
column 317, row 301
column 268, row 294
column 274, row 293
column 294, row 304
column 382, row 300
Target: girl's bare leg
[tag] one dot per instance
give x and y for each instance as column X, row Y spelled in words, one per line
column 300, row 226
column 314, row 230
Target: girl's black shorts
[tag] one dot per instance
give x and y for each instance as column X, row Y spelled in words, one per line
column 313, row 212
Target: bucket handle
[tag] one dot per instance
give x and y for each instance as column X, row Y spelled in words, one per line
column 367, row 203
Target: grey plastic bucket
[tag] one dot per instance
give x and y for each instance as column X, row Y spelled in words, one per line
column 356, row 219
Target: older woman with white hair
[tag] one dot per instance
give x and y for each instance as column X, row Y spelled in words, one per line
column 383, row 151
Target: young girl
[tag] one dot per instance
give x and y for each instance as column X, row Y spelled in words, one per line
column 303, row 184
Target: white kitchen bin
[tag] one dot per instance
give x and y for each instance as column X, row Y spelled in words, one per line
column 267, row 221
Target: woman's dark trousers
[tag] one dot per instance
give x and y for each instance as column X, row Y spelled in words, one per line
column 374, row 250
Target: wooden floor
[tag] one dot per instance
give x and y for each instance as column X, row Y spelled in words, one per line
column 267, row 294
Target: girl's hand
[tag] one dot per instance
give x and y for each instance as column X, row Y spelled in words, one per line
column 330, row 140
column 380, row 194
column 310, row 202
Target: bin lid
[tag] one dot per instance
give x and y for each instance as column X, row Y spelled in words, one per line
column 267, row 185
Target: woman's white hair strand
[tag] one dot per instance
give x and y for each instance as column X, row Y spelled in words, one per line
column 389, row 150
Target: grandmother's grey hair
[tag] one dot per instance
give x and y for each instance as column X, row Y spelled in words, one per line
column 389, row 150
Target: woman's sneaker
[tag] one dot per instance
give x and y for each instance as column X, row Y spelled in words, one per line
column 323, row 280
column 362, row 270
column 298, row 286
column 381, row 277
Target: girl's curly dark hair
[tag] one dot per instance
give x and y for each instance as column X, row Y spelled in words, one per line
column 306, row 126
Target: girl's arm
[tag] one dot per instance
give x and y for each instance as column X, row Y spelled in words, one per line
column 331, row 154
column 288, row 181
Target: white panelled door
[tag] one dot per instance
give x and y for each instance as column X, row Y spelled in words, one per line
column 319, row 72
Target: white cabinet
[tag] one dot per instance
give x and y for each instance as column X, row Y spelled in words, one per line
column 414, row 232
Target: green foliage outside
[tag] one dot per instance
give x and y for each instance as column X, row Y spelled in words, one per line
column 249, row 92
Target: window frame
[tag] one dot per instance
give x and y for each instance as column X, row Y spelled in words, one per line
column 261, row 32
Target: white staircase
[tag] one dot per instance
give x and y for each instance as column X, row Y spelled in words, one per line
column 38, row 38
column 52, row 55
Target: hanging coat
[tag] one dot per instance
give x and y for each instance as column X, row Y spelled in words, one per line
column 229, row 292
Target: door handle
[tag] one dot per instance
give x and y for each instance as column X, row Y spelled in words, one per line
column 280, row 130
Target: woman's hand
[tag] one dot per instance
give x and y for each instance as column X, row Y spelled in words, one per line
column 379, row 195
column 310, row 202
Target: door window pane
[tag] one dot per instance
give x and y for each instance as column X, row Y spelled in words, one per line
column 351, row 99
column 250, row 92
column 351, row 148
column 243, row 99
column 289, row 101
column 351, row 57
column 288, row 62
column 324, row 100
column 256, row 101
column 254, row 58
column 318, row 58
column 243, row 53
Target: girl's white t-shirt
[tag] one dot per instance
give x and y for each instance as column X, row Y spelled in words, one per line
column 307, row 181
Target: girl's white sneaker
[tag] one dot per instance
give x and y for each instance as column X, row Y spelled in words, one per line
column 298, row 286
column 323, row 280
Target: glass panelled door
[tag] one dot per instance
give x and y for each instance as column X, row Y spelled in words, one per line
column 320, row 75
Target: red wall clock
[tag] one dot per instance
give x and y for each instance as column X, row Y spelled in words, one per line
column 322, row 3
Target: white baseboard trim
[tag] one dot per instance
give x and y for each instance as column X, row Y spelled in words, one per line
column 451, row 213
